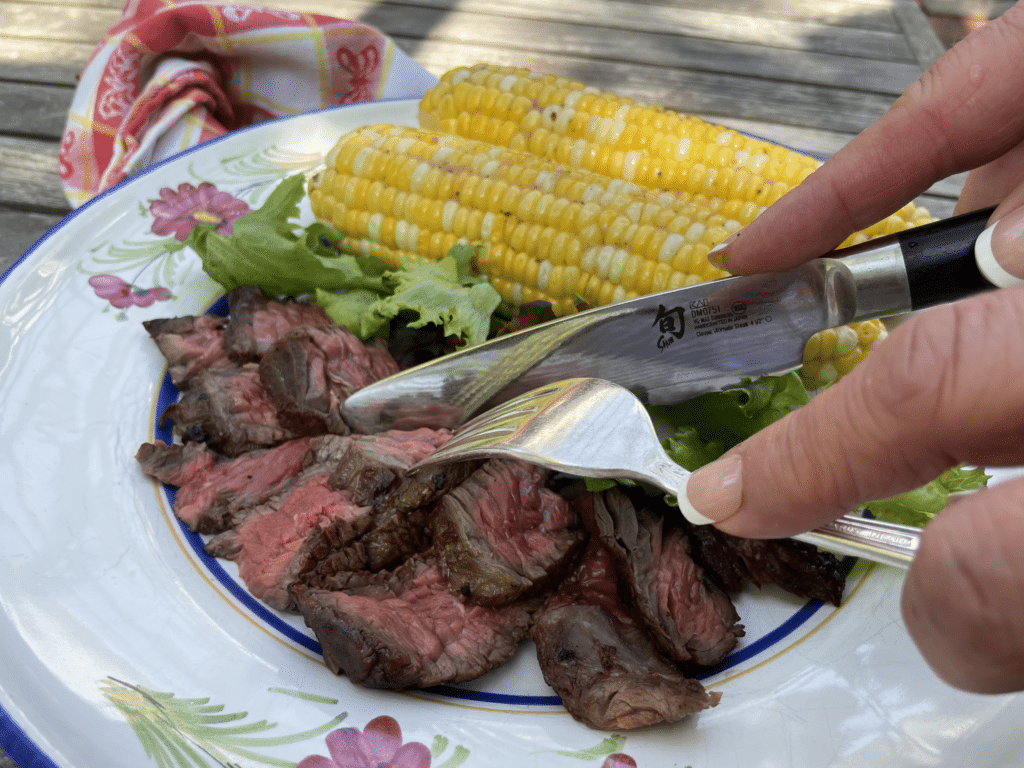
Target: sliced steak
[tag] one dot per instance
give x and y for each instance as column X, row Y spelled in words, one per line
column 213, row 491
column 257, row 321
column 601, row 662
column 502, row 535
column 189, row 344
column 273, row 546
column 405, row 629
column 310, row 371
column 227, row 409
column 375, row 467
column 798, row 568
column 689, row 618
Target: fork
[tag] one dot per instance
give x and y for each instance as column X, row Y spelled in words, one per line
column 594, row 428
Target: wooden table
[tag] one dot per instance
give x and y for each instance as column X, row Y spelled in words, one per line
column 808, row 73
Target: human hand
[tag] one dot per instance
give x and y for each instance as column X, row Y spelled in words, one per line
column 946, row 388
column 965, row 113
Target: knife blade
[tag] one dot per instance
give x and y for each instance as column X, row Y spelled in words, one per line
column 674, row 345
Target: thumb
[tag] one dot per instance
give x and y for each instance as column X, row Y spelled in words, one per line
column 1000, row 249
column 945, row 388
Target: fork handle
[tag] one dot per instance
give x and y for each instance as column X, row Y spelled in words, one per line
column 875, row 540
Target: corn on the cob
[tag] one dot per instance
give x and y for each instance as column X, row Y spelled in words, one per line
column 831, row 354
column 547, row 231
column 564, row 120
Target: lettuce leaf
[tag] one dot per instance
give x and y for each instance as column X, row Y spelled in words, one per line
column 919, row 506
column 709, row 425
column 443, row 293
column 269, row 248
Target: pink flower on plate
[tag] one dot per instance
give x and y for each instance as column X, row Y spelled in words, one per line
column 619, row 760
column 123, row 295
column 179, row 212
column 378, row 745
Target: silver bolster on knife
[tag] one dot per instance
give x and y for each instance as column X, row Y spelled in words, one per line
column 874, row 278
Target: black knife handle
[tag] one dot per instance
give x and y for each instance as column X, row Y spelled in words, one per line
column 941, row 264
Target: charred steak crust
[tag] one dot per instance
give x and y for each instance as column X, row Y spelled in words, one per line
column 257, row 321
column 309, row 372
column 689, row 618
column 227, row 409
column 798, row 568
column 405, row 629
column 601, row 662
column 502, row 535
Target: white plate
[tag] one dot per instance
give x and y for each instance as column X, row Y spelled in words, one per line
column 106, row 600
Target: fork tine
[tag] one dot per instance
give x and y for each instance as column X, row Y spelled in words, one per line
column 487, row 431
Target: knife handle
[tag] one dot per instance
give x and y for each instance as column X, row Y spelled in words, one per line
column 941, row 261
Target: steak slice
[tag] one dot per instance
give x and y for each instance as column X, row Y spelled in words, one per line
column 213, row 491
column 310, row 371
column 274, row 546
column 189, row 344
column 798, row 568
column 601, row 662
column 375, row 467
column 688, row 617
column 227, row 409
column 257, row 321
column 405, row 629
column 502, row 535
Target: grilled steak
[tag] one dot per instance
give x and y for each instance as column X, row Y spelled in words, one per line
column 227, row 409
column 257, row 321
column 310, row 371
column 213, row 491
column 275, row 544
column 798, row 568
column 190, row 345
column 601, row 662
column 374, row 469
column 405, row 629
column 502, row 535
column 689, row 618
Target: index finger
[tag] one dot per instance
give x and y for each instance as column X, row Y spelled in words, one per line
column 965, row 111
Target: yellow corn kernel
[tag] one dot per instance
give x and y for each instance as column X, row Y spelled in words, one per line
column 649, row 145
column 832, row 353
column 390, row 194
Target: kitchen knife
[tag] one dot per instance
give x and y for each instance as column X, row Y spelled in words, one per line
column 674, row 345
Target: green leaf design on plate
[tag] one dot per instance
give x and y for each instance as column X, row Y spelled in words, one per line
column 267, row 163
column 609, row 746
column 189, row 733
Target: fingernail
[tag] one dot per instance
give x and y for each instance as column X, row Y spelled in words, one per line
column 717, row 254
column 999, row 250
column 714, row 492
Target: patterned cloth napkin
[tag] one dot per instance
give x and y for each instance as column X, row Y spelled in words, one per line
column 173, row 73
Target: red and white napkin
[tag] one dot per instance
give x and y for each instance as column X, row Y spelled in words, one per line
column 173, row 73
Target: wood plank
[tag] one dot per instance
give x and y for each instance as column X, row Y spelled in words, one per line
column 919, row 32
column 21, row 230
column 39, row 61
column 724, row 24
column 703, row 93
column 857, row 14
column 663, row 50
column 30, row 179
column 33, row 109
column 628, row 45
